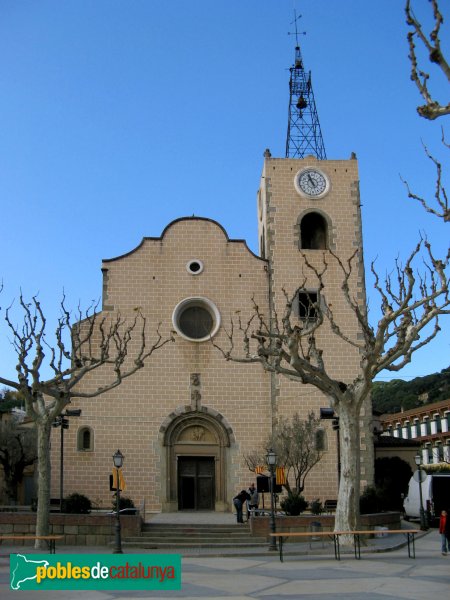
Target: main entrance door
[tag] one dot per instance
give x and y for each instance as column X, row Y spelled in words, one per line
column 196, row 485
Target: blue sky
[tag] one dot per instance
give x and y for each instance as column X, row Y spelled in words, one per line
column 118, row 116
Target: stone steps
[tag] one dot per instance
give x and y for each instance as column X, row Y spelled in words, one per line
column 191, row 536
column 194, row 536
column 191, row 544
column 238, row 530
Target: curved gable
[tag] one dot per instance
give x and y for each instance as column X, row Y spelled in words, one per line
column 173, row 224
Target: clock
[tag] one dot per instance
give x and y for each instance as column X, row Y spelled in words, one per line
column 312, row 183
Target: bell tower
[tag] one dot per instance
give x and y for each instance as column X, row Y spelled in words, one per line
column 308, row 205
column 304, row 135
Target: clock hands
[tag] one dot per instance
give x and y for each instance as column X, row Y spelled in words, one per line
column 312, row 181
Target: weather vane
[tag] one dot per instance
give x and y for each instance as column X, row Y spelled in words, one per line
column 296, row 32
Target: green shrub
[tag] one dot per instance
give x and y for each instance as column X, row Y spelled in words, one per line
column 371, row 501
column 77, row 504
column 124, row 502
column 316, row 507
column 294, row 504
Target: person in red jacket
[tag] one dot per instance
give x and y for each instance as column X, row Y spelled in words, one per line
column 444, row 530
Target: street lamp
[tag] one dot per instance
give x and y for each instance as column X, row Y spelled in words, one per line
column 63, row 422
column 271, row 459
column 118, row 462
column 418, row 461
column 328, row 413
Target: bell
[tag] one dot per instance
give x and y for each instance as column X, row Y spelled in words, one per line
column 301, row 103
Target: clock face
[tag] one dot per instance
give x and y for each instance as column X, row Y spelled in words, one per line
column 312, row 183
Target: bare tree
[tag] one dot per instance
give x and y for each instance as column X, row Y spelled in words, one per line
column 82, row 345
column 441, row 208
column 18, row 450
column 432, row 109
column 299, row 447
column 410, row 307
column 256, row 459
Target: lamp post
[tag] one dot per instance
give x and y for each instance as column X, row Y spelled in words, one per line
column 328, row 413
column 271, row 459
column 418, row 461
column 118, row 462
column 63, row 422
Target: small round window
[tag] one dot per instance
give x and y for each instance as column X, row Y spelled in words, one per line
column 194, row 266
column 196, row 319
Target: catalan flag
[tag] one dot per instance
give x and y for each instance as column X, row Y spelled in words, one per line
column 259, row 469
column 118, row 473
column 280, row 476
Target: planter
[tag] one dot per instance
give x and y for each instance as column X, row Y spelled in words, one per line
column 96, row 529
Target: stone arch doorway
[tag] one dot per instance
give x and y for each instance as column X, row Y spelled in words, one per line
column 196, row 448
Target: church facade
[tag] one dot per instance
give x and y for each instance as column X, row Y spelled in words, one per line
column 186, row 420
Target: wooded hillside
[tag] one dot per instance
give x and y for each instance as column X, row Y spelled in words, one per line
column 396, row 395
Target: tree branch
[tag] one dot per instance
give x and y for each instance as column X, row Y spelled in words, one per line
column 440, row 193
column 93, row 341
column 404, row 316
column 432, row 109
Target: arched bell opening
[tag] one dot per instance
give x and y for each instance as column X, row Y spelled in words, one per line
column 313, row 232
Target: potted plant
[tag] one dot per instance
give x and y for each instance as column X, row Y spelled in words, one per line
column 294, row 504
column 316, row 507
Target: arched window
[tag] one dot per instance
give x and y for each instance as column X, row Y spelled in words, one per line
column 85, row 442
column 313, row 232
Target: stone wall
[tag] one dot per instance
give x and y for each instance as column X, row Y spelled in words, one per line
column 78, row 530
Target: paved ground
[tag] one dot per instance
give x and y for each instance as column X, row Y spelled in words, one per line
column 379, row 575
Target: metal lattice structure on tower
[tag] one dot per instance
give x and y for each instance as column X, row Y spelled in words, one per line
column 304, row 136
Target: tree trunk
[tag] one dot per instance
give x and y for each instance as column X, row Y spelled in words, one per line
column 11, row 494
column 44, row 471
column 347, row 512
